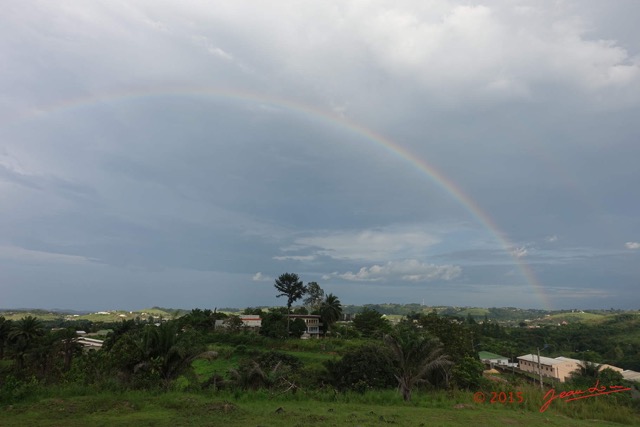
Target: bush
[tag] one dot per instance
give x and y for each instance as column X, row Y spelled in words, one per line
column 13, row 390
column 467, row 374
column 368, row 367
column 270, row 359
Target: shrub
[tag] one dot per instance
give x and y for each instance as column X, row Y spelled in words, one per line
column 369, row 366
column 467, row 374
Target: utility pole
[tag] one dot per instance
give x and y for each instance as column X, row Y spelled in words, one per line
column 540, row 369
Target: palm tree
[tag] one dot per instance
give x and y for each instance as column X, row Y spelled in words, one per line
column 587, row 373
column 169, row 351
column 23, row 333
column 330, row 310
column 416, row 355
column 5, row 330
column 69, row 346
column 251, row 375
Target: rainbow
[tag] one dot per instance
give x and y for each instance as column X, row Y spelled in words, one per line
column 427, row 169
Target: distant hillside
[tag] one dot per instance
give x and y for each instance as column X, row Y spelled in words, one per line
column 505, row 315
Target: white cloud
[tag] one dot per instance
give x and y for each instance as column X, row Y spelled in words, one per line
column 371, row 245
column 410, row 270
column 259, row 277
column 520, row 252
column 632, row 245
column 551, row 239
column 458, row 51
column 295, row 258
column 211, row 48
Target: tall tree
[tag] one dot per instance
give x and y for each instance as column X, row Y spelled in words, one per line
column 289, row 285
column 330, row 310
column 416, row 355
column 315, row 296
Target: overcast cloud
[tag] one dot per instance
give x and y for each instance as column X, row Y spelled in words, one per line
column 185, row 154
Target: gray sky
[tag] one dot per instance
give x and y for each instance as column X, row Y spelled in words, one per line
column 185, row 154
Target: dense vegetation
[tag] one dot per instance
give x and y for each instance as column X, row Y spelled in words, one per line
column 424, row 357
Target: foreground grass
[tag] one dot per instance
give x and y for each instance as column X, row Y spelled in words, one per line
column 263, row 409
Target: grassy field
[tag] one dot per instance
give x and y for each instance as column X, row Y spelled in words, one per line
column 105, row 316
column 264, row 409
column 574, row 317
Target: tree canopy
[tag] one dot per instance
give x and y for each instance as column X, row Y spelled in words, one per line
column 315, row 295
column 371, row 323
column 289, row 285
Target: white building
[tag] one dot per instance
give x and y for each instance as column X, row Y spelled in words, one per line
column 312, row 321
column 559, row 368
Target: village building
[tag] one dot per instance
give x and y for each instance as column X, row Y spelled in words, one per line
column 312, row 321
column 630, row 375
column 559, row 368
column 251, row 320
column 90, row 343
column 492, row 359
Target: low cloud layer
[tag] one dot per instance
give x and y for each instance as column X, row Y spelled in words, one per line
column 408, row 270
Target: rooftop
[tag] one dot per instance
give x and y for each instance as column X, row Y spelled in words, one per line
column 545, row 360
column 485, row 355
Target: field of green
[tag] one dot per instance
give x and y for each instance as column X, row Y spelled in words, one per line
column 261, row 408
column 102, row 316
column 574, row 317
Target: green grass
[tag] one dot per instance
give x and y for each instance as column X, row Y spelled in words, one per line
column 204, row 369
column 574, row 317
column 45, row 316
column 265, row 409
